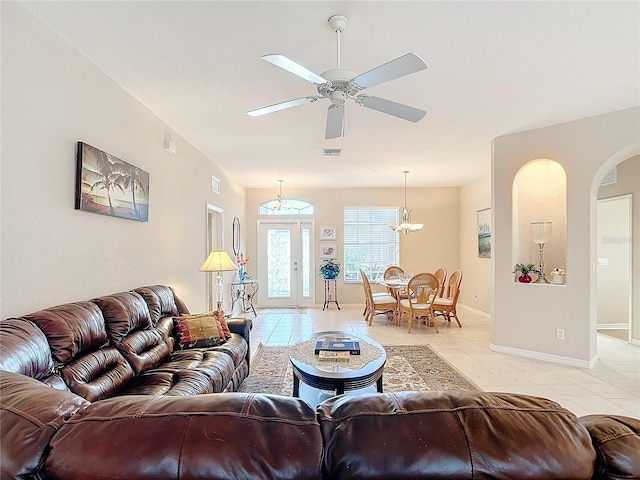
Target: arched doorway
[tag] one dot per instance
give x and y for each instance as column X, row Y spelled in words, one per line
column 617, row 265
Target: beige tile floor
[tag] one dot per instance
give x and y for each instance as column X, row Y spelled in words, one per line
column 612, row 386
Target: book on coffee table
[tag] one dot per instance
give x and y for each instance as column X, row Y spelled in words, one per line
column 333, row 356
column 349, row 346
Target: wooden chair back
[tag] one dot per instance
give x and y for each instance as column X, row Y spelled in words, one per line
column 441, row 275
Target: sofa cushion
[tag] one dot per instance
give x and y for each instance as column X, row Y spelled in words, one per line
column 77, row 337
column 187, row 372
column 617, row 443
column 129, row 327
column 220, row 436
column 24, row 349
column 198, row 331
column 30, row 414
column 71, row 329
column 160, row 301
column 453, row 434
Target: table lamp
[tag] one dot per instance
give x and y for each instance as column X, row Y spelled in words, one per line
column 541, row 234
column 218, row 261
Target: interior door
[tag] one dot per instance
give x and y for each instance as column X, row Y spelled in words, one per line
column 285, row 263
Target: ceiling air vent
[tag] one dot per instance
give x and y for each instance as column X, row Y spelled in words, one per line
column 332, row 152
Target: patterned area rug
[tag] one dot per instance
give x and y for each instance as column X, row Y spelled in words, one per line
column 408, row 367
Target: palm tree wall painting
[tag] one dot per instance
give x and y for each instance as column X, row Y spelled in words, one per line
column 110, row 186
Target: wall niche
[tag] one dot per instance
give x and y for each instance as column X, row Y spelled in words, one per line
column 540, row 195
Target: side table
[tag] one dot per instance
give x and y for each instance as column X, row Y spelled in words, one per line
column 329, row 296
column 244, row 292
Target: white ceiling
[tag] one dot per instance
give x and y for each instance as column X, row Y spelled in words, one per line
column 494, row 68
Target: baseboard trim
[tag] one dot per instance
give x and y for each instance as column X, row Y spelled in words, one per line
column 612, row 326
column 475, row 310
column 546, row 357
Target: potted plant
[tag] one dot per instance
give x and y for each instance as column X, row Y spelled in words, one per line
column 524, row 272
column 330, row 268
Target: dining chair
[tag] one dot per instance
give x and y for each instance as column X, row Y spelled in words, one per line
column 422, row 291
column 394, row 272
column 446, row 306
column 384, row 303
column 374, row 293
column 441, row 275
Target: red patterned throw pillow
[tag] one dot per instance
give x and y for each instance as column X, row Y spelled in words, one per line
column 197, row 331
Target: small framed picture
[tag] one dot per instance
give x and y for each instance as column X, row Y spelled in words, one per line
column 328, row 251
column 484, row 233
column 328, row 233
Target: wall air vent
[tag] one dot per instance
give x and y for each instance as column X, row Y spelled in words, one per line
column 332, row 152
column 610, row 177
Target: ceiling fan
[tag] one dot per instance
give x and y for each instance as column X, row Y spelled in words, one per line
column 339, row 84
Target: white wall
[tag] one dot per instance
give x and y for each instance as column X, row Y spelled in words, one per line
column 53, row 97
column 526, row 316
column 477, row 286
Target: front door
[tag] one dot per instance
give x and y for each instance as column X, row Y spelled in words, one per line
column 285, row 262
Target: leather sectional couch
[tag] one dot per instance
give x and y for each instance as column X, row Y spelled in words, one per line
column 97, row 390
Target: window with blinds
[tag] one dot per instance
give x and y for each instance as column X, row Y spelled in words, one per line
column 369, row 243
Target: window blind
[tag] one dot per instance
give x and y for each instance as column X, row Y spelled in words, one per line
column 369, row 243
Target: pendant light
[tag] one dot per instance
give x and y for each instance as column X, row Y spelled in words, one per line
column 281, row 203
column 405, row 225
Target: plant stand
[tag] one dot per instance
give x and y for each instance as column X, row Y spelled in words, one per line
column 330, row 297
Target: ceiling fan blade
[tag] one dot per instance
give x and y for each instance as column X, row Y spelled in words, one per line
column 281, row 106
column 392, row 108
column 295, row 68
column 335, row 122
column 401, row 66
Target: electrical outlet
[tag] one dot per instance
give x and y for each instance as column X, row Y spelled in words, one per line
column 560, row 334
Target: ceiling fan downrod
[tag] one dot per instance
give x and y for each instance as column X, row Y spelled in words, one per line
column 338, row 23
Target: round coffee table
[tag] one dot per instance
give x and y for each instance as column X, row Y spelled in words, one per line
column 359, row 372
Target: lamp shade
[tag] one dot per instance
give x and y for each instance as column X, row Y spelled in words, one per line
column 218, row 261
column 541, row 232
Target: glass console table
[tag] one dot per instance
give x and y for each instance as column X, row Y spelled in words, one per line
column 244, row 292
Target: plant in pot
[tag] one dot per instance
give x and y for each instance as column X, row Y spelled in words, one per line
column 330, row 268
column 524, row 272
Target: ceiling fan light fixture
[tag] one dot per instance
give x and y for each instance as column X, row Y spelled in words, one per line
column 406, row 226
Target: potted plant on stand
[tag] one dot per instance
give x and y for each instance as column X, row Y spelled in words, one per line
column 330, row 268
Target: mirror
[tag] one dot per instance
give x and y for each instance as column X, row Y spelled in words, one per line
column 236, row 235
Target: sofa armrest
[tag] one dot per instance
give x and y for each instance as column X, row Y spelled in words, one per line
column 242, row 326
column 30, row 414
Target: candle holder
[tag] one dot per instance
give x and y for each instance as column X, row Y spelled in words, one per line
column 541, row 234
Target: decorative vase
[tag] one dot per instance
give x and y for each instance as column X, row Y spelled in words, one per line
column 241, row 274
column 524, row 279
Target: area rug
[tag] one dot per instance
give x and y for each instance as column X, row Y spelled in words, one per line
column 408, row 367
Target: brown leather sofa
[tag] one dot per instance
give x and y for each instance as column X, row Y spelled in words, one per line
column 83, row 401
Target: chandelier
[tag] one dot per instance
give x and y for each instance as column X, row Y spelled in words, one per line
column 405, row 225
column 281, row 202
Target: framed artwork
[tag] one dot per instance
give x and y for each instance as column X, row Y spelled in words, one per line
column 328, row 233
column 328, row 251
column 484, row 233
column 110, row 186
